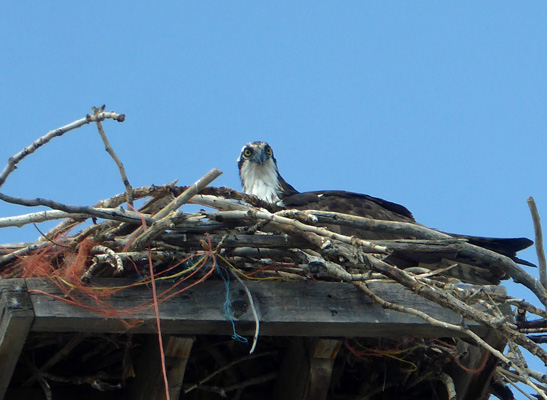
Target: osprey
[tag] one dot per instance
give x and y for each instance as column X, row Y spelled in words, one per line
column 260, row 176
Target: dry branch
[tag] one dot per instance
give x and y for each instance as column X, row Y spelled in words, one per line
column 13, row 161
column 405, row 309
column 539, row 242
column 118, row 214
column 110, row 150
column 167, row 217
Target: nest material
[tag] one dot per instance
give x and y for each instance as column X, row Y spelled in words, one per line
column 253, row 239
column 260, row 244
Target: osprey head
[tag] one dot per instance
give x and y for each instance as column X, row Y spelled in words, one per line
column 259, row 174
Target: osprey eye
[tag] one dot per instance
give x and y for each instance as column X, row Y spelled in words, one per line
column 269, row 151
column 247, row 152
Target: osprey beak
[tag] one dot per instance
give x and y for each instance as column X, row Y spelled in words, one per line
column 261, row 157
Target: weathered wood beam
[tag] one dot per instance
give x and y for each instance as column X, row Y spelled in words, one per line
column 16, row 318
column 148, row 382
column 473, row 384
column 323, row 353
column 306, row 370
column 177, row 352
column 285, row 309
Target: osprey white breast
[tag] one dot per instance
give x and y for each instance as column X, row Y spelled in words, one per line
column 261, row 179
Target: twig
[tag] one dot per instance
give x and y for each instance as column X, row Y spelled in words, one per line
column 164, row 219
column 118, row 214
column 539, row 241
column 144, row 238
column 509, row 379
column 110, row 150
column 219, row 203
column 13, row 161
column 532, row 373
column 43, row 236
column 437, row 271
column 25, row 250
column 435, row 322
column 449, row 384
column 468, row 250
column 253, row 309
column 95, row 382
column 189, row 193
column 37, row 217
column 281, row 220
column 228, row 366
column 114, row 259
column 241, row 385
column 402, row 228
column 36, row 374
column 66, row 350
column 526, row 306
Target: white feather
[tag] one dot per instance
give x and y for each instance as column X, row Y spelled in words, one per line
column 261, row 180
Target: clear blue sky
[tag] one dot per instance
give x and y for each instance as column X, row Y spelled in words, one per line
column 438, row 106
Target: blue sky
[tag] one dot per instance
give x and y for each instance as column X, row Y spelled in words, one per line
column 438, row 106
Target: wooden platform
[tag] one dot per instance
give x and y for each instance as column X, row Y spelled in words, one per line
column 306, row 309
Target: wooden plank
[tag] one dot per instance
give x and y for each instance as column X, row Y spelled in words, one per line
column 177, row 352
column 284, row 309
column 306, row 369
column 473, row 385
column 324, row 352
column 16, row 318
column 148, row 382
column 292, row 379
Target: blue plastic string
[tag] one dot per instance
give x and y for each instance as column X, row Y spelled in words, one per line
column 228, row 310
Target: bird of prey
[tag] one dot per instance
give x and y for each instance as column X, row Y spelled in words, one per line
column 260, row 176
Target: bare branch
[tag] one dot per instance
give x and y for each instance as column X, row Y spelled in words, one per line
column 189, row 193
column 118, row 214
column 13, row 161
column 168, row 216
column 539, row 241
column 110, row 150
column 449, row 384
column 41, row 216
column 405, row 309
column 227, row 366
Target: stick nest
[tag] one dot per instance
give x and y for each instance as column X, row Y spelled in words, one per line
column 249, row 239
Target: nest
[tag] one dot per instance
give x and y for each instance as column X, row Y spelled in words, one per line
column 241, row 238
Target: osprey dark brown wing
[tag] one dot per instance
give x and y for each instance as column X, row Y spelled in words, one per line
column 349, row 203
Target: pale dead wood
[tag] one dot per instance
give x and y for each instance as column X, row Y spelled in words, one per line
column 254, row 214
column 118, row 214
column 167, row 217
column 451, row 302
column 405, row 309
column 13, row 161
column 512, row 379
column 110, row 150
column 189, row 193
column 113, row 258
column 490, row 257
column 37, row 217
column 449, row 384
column 538, row 241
